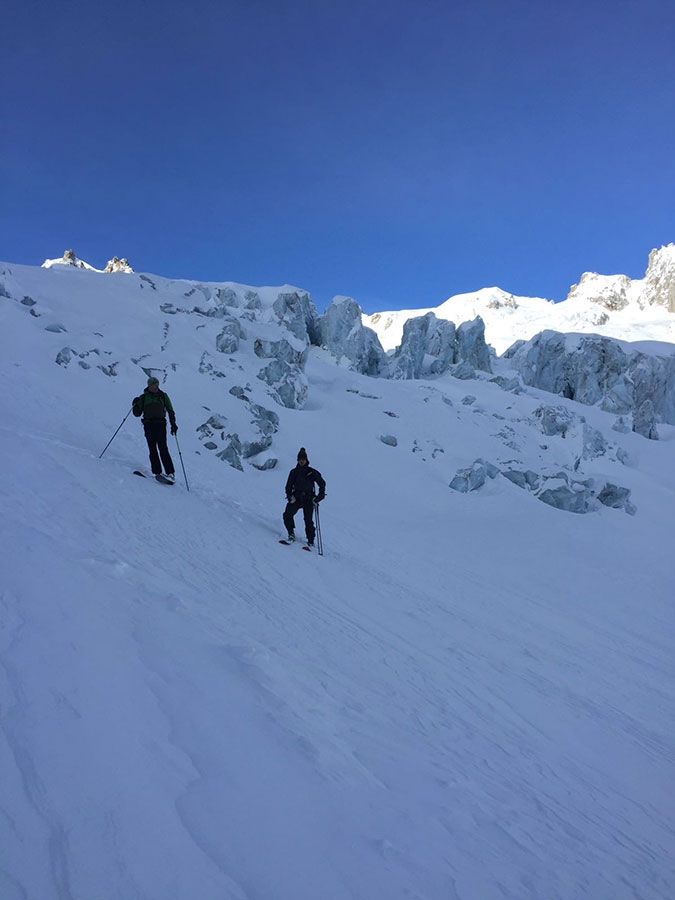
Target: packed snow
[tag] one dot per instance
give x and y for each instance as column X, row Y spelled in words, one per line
column 469, row 696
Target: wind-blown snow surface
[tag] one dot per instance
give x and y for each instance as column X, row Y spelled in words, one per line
column 468, row 696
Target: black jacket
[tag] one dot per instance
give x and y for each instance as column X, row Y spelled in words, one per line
column 301, row 481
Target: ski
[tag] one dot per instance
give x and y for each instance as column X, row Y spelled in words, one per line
column 289, row 543
column 160, row 478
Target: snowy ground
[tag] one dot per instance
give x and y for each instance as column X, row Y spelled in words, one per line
column 468, row 697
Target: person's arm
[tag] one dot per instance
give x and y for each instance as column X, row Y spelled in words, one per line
column 172, row 414
column 321, row 485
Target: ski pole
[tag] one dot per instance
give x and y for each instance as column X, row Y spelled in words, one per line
column 319, row 539
column 181, row 462
column 114, row 435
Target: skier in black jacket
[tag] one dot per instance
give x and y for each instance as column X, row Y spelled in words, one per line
column 300, row 495
column 153, row 404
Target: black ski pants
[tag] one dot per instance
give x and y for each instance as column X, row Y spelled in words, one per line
column 155, row 435
column 307, row 507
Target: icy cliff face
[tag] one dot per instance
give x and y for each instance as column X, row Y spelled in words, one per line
column 296, row 311
column 431, row 346
column 342, row 333
column 595, row 370
column 428, row 345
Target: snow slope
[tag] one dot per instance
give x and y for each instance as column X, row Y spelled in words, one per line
column 468, row 696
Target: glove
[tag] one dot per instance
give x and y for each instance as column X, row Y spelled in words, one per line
column 318, row 499
column 174, row 428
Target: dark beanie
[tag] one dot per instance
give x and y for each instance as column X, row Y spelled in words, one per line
column 302, row 454
column 152, row 380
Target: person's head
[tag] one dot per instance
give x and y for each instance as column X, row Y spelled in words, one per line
column 153, row 383
column 302, row 457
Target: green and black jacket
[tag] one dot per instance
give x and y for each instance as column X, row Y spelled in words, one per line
column 154, row 406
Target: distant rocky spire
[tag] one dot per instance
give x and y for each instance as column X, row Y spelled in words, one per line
column 118, row 265
column 70, row 259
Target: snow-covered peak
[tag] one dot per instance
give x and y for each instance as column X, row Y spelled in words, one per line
column 611, row 305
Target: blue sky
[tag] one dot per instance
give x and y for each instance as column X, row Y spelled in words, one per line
column 397, row 152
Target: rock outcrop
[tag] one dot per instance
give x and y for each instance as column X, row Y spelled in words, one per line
column 659, row 281
column 118, row 265
column 611, row 292
column 69, row 258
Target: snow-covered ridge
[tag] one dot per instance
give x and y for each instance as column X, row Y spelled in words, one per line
column 281, row 324
column 610, row 305
column 70, row 258
column 276, row 328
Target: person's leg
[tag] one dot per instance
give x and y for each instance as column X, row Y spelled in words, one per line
column 164, row 450
column 151, row 438
column 308, row 512
column 289, row 516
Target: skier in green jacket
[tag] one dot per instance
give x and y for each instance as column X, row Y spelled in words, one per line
column 153, row 404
